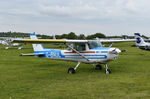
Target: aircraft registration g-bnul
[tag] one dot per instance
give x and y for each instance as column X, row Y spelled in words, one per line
column 80, row 51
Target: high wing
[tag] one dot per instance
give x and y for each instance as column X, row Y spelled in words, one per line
column 113, row 40
column 66, row 41
column 48, row 41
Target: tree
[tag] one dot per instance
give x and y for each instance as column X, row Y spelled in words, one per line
column 99, row 35
column 64, row 36
column 81, row 36
column 96, row 35
column 72, row 35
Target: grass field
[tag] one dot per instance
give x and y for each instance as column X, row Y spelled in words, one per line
column 37, row 78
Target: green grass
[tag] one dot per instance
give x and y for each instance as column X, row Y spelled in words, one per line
column 37, row 78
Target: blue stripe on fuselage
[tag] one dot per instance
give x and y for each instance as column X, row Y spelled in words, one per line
column 87, row 57
column 101, row 51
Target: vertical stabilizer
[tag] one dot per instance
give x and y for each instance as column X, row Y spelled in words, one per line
column 139, row 39
column 36, row 47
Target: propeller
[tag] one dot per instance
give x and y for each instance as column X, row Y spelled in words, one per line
column 115, row 51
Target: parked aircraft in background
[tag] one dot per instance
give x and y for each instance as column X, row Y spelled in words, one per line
column 140, row 43
column 80, row 51
column 8, row 44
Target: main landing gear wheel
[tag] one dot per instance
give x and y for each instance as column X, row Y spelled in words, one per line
column 108, row 71
column 98, row 67
column 71, row 70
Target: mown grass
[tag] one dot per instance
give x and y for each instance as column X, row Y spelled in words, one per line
column 37, row 78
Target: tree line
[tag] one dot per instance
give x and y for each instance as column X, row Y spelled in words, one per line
column 70, row 35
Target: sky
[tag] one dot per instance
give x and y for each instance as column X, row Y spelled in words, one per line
column 111, row 17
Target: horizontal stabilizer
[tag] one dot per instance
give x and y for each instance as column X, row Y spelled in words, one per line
column 32, row 54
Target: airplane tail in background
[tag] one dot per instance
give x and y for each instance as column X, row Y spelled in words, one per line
column 139, row 39
column 54, row 37
column 36, row 47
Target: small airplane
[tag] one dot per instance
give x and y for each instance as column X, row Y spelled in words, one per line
column 80, row 51
column 140, row 43
column 9, row 44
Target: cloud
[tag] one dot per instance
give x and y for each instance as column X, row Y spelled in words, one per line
column 102, row 15
column 94, row 9
column 78, row 9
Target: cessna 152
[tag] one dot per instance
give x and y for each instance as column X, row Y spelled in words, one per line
column 81, row 51
column 141, row 43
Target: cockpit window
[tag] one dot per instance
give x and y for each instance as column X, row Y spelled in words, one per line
column 80, row 46
column 94, row 44
column 77, row 46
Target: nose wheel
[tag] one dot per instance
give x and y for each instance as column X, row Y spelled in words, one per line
column 107, row 70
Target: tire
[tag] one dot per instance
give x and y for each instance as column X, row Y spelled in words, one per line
column 98, row 67
column 108, row 71
column 71, row 70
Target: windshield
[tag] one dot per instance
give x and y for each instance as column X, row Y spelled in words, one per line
column 94, row 44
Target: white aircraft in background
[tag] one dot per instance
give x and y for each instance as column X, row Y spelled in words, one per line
column 141, row 43
column 80, row 51
column 9, row 44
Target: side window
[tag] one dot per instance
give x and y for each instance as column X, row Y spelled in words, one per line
column 80, row 46
column 71, row 45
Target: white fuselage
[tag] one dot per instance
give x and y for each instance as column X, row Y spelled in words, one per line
column 100, row 55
